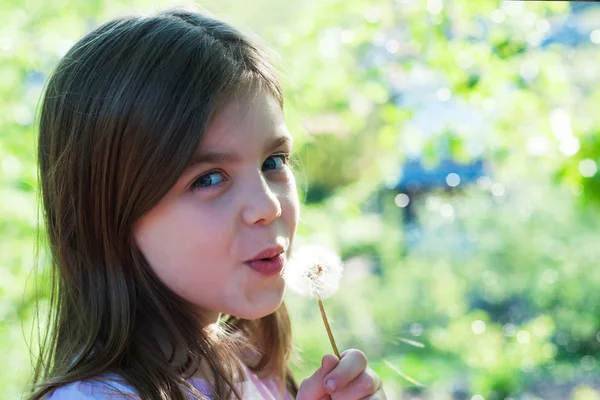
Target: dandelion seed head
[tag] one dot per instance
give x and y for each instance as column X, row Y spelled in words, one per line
column 314, row 271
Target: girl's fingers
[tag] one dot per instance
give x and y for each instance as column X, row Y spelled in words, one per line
column 351, row 365
column 364, row 386
column 312, row 387
column 378, row 395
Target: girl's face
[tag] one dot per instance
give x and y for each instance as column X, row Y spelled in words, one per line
column 237, row 199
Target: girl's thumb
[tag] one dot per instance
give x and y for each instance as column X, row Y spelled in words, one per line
column 312, row 387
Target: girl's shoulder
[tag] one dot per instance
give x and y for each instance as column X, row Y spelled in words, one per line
column 106, row 389
column 115, row 388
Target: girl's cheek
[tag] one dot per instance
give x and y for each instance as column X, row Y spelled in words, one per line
column 292, row 192
column 291, row 180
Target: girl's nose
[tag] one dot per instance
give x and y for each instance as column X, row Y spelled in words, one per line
column 262, row 205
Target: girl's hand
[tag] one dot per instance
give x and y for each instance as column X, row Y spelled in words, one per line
column 347, row 378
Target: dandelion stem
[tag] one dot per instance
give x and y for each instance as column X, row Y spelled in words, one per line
column 328, row 328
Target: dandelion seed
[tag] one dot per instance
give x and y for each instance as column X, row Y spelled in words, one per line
column 411, row 342
column 315, row 271
column 402, row 374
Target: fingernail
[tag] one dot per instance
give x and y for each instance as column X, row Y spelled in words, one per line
column 330, row 385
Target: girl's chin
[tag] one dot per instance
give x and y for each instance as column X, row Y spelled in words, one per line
column 258, row 311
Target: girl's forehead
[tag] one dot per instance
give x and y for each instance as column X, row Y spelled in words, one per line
column 245, row 114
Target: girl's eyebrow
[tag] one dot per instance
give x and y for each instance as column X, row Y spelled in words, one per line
column 212, row 157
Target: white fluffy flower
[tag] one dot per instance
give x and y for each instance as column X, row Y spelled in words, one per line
column 314, row 271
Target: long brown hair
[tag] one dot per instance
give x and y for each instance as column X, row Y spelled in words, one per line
column 121, row 117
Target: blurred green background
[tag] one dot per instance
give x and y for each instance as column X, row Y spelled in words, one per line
column 449, row 151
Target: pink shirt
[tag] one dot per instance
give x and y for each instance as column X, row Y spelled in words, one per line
column 252, row 388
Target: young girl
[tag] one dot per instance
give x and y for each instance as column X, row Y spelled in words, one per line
column 171, row 211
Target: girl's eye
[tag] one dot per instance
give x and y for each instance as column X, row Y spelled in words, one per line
column 208, row 180
column 275, row 162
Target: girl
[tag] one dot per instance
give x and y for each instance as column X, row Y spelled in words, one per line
column 171, row 210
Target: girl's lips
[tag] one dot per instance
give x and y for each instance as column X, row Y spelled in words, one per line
column 268, row 266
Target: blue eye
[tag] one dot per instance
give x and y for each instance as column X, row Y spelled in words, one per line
column 208, row 180
column 275, row 162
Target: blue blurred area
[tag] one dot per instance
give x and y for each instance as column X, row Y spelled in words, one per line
column 417, row 177
column 574, row 30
